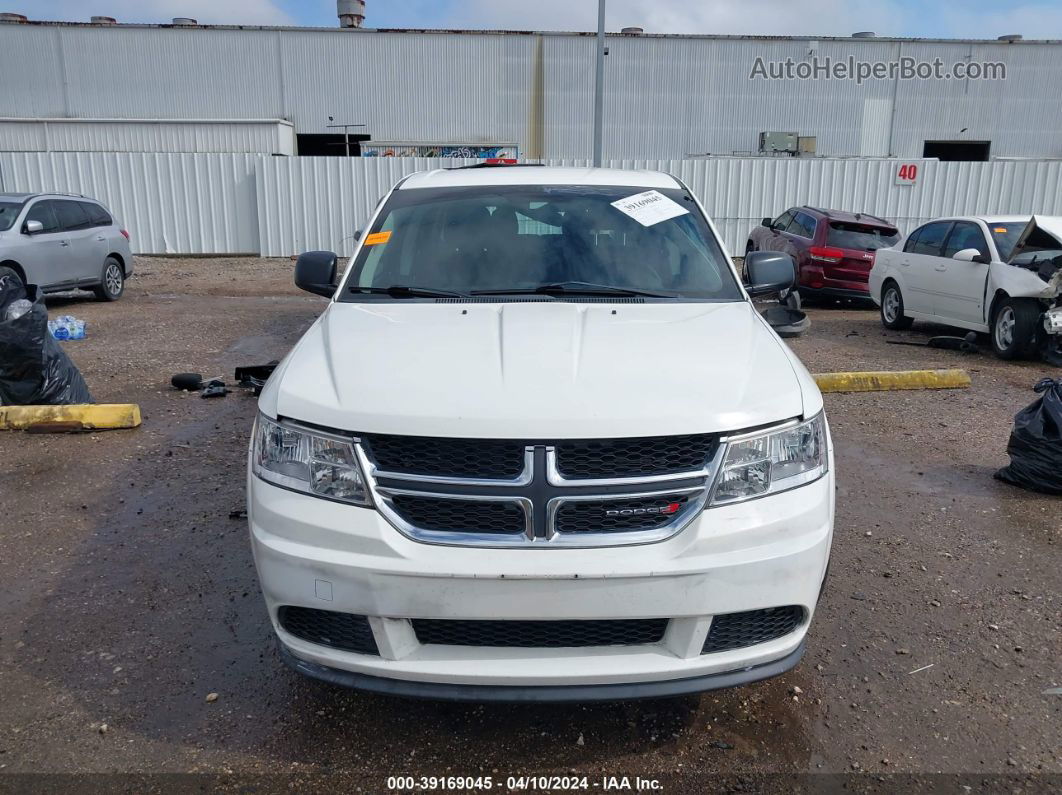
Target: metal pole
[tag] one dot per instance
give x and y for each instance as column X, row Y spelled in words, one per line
column 599, row 82
column 346, row 138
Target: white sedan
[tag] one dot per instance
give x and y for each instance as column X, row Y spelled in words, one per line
column 996, row 274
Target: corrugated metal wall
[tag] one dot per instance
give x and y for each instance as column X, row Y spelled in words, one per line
column 170, row 203
column 107, row 135
column 309, row 203
column 217, row 204
column 672, row 96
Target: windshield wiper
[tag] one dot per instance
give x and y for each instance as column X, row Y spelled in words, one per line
column 406, row 291
column 574, row 288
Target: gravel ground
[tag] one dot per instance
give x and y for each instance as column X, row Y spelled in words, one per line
column 128, row 595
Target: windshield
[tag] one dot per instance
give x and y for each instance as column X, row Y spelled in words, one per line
column 1006, row 234
column 860, row 236
column 8, row 213
column 557, row 238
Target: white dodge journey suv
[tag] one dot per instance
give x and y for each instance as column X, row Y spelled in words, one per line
column 541, row 446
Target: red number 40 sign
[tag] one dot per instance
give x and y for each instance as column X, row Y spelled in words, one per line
column 907, row 174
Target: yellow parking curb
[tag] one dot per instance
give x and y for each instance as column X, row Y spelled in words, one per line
column 96, row 417
column 887, row 381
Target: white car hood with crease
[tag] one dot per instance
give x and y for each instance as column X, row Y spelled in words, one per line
column 540, row 370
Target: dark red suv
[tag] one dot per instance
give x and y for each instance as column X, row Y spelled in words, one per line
column 833, row 249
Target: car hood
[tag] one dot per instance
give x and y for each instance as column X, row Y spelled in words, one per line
column 540, row 370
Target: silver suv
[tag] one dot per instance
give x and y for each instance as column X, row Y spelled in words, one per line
column 64, row 242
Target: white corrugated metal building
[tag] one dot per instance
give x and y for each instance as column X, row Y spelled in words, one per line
column 667, row 96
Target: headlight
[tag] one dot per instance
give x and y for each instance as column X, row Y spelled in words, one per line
column 312, row 462
column 772, row 461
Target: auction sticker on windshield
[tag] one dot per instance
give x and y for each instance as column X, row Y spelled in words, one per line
column 650, row 207
column 376, row 238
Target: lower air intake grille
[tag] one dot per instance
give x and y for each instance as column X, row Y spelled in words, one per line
column 590, row 516
column 540, row 634
column 471, row 516
column 738, row 630
column 328, row 628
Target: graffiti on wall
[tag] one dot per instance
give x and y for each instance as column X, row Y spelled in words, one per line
column 479, row 151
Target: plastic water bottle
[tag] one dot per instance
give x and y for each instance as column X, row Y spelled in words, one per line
column 58, row 329
column 17, row 309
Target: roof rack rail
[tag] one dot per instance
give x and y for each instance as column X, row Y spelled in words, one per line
column 491, row 163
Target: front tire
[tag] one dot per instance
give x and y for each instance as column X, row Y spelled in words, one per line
column 892, row 316
column 1014, row 326
column 112, row 281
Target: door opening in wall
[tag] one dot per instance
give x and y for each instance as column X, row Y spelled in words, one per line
column 957, row 150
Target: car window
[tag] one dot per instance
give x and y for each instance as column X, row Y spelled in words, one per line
column 465, row 239
column 965, row 235
column 912, row 239
column 8, row 213
column 862, row 237
column 96, row 214
column 44, row 212
column 931, row 239
column 70, row 215
column 782, row 221
column 802, row 225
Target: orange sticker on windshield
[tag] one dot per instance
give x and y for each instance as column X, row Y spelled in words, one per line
column 377, row 237
column 1000, row 230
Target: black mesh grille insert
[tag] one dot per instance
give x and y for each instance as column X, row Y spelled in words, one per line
column 540, row 634
column 499, row 459
column 328, row 628
column 737, row 630
column 625, row 458
column 647, row 513
column 474, row 516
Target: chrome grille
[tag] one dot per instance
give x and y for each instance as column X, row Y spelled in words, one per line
column 472, row 493
column 474, row 516
column 480, row 459
column 594, row 459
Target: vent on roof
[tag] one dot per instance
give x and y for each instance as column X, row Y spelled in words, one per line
column 103, row 21
column 633, row 31
column 185, row 21
column 351, row 13
column 10, row 17
column 1010, row 37
column 864, row 34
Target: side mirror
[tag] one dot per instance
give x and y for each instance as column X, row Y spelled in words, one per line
column 357, row 234
column 315, row 272
column 971, row 255
column 767, row 222
column 769, row 272
column 32, row 228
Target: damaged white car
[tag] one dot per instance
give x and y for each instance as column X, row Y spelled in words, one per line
column 996, row 274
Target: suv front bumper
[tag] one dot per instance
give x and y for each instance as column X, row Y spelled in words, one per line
column 765, row 553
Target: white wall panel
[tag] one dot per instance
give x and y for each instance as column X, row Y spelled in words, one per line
column 163, row 135
column 666, row 96
column 183, row 204
column 211, row 203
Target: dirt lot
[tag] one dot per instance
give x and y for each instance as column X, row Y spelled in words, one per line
column 128, row 595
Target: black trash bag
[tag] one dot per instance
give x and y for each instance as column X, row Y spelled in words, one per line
column 34, row 370
column 1035, row 446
